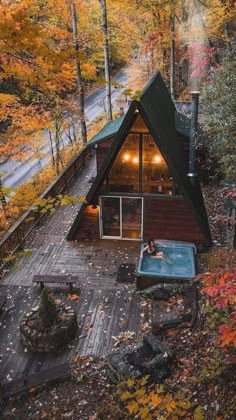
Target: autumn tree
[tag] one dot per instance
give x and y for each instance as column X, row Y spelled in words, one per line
column 106, row 59
column 78, row 73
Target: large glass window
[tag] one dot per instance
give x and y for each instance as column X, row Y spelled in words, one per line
column 139, row 166
column 124, row 175
column 156, row 176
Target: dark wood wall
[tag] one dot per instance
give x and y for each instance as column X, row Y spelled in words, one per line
column 171, row 218
column 164, row 218
column 88, row 227
column 102, row 150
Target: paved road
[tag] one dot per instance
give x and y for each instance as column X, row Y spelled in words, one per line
column 19, row 172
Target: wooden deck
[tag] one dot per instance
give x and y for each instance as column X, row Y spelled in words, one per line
column 104, row 309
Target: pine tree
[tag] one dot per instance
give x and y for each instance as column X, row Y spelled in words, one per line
column 47, row 308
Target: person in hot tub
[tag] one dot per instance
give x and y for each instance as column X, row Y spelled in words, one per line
column 151, row 249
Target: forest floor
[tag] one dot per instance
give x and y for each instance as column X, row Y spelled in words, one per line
column 202, row 372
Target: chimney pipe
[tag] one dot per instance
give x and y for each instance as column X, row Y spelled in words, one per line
column 193, row 133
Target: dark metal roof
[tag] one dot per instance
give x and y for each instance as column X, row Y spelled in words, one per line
column 107, row 131
column 158, row 111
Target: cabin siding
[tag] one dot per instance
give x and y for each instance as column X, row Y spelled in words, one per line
column 164, row 217
column 102, row 150
column 171, row 218
column 88, row 227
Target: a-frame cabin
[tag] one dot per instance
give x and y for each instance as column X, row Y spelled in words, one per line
column 142, row 189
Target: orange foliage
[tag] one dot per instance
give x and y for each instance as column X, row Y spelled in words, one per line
column 221, row 289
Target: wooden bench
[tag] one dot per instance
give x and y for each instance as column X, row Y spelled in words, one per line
column 3, row 300
column 42, row 279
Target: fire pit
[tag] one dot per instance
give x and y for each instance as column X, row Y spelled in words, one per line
column 50, row 329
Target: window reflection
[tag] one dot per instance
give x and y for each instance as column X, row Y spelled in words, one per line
column 156, row 175
column 131, row 218
column 124, row 175
column 111, row 216
column 129, row 173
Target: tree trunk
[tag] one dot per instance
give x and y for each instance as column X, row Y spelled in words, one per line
column 3, row 205
column 106, row 60
column 51, row 146
column 57, row 145
column 2, row 196
column 172, row 54
column 78, row 75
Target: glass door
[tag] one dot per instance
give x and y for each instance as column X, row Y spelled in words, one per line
column 110, row 225
column 121, row 217
column 132, row 210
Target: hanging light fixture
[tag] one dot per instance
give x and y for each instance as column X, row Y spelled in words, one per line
column 157, row 159
column 126, row 157
column 135, row 159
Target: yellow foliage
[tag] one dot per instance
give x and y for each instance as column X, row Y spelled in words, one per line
column 130, row 383
column 145, row 414
column 198, row 413
column 133, row 407
column 155, row 399
column 125, row 396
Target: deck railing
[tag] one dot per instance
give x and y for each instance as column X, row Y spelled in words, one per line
column 15, row 237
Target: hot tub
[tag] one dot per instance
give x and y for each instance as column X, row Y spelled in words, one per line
column 177, row 266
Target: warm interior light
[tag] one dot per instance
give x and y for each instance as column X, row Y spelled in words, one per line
column 135, row 159
column 157, row 159
column 126, row 157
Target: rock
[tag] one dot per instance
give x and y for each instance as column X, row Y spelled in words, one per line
column 149, row 357
column 156, row 293
column 155, row 364
column 118, row 364
column 152, row 341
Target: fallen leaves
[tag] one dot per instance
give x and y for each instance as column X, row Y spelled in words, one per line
column 123, row 337
column 73, row 296
column 88, row 327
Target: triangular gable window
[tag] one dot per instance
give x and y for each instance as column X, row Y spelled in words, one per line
column 139, row 166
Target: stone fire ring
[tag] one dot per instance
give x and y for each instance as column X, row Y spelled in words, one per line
column 38, row 338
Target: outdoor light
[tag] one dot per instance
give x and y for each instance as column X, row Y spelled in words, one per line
column 157, row 159
column 135, row 159
column 126, row 157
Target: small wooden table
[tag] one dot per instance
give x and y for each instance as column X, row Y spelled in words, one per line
column 42, row 279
